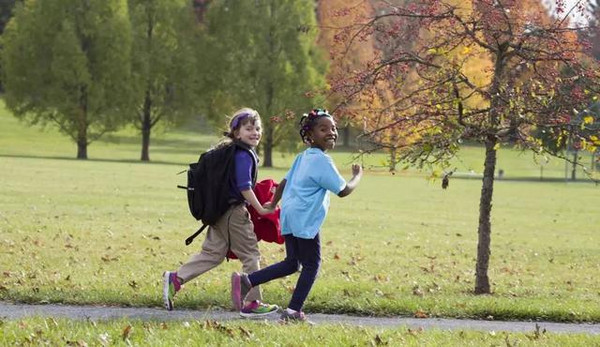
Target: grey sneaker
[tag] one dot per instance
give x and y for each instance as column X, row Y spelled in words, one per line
column 240, row 286
column 297, row 316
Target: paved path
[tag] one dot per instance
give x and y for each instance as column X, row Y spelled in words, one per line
column 16, row 311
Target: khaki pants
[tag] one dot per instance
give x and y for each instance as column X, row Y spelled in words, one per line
column 235, row 228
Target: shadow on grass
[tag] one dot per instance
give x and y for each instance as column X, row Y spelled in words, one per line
column 525, row 179
column 183, row 165
column 201, row 142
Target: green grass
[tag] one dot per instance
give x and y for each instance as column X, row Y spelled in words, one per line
column 103, row 230
column 49, row 331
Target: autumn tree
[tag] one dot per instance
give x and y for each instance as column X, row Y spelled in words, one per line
column 263, row 54
column 593, row 32
column 533, row 79
column 164, row 61
column 66, row 62
column 332, row 15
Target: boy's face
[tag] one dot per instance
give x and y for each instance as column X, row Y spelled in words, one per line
column 324, row 133
column 249, row 133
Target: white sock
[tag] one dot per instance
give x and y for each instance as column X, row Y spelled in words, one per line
column 290, row 311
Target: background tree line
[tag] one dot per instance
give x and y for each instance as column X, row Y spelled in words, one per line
column 93, row 66
column 159, row 63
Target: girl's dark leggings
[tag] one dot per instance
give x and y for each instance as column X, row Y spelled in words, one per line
column 305, row 252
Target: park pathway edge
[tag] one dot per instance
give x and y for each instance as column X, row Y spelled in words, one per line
column 17, row 311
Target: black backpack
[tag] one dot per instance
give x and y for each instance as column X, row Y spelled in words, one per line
column 209, row 182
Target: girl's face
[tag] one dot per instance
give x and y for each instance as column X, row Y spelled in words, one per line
column 249, row 133
column 323, row 134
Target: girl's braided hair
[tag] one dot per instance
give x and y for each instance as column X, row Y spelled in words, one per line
column 309, row 120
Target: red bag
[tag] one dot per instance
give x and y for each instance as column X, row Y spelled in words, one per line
column 267, row 227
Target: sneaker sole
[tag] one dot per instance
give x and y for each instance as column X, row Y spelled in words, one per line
column 257, row 315
column 167, row 302
column 236, row 291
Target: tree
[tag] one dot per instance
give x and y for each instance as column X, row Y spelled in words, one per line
column 593, row 32
column 6, row 11
column 200, row 8
column 66, row 62
column 164, row 64
column 264, row 56
column 331, row 15
column 533, row 80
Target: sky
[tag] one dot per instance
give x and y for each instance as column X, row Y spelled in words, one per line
column 575, row 15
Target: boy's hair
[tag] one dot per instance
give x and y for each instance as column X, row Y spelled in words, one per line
column 308, row 121
column 241, row 117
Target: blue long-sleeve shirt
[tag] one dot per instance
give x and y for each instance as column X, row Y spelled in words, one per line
column 244, row 165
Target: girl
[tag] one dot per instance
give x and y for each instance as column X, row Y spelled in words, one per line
column 305, row 190
column 234, row 230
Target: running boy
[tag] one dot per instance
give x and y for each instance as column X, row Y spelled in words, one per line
column 305, row 190
column 234, row 230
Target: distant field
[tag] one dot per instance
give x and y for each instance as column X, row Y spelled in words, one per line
column 103, row 230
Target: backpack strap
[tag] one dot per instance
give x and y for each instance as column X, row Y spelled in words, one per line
column 193, row 236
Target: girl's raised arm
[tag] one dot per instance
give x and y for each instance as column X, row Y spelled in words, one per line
column 353, row 183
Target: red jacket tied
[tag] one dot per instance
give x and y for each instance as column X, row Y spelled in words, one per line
column 267, row 227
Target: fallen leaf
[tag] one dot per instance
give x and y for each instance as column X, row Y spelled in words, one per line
column 126, row 332
column 378, row 341
column 104, row 339
column 421, row 314
column 246, row 332
column 417, row 291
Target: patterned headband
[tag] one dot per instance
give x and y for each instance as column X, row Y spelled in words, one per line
column 318, row 112
column 235, row 122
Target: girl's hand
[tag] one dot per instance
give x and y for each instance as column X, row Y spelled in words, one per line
column 270, row 206
column 356, row 169
column 264, row 211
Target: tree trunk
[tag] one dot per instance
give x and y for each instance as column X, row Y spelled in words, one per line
column 482, row 281
column 346, row 136
column 393, row 160
column 574, row 168
column 81, row 147
column 484, row 230
column 270, row 94
column 82, row 127
column 146, row 127
column 268, row 147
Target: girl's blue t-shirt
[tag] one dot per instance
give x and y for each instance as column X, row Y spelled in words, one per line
column 305, row 199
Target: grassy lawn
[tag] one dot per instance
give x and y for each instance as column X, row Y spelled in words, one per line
column 56, row 332
column 103, row 231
